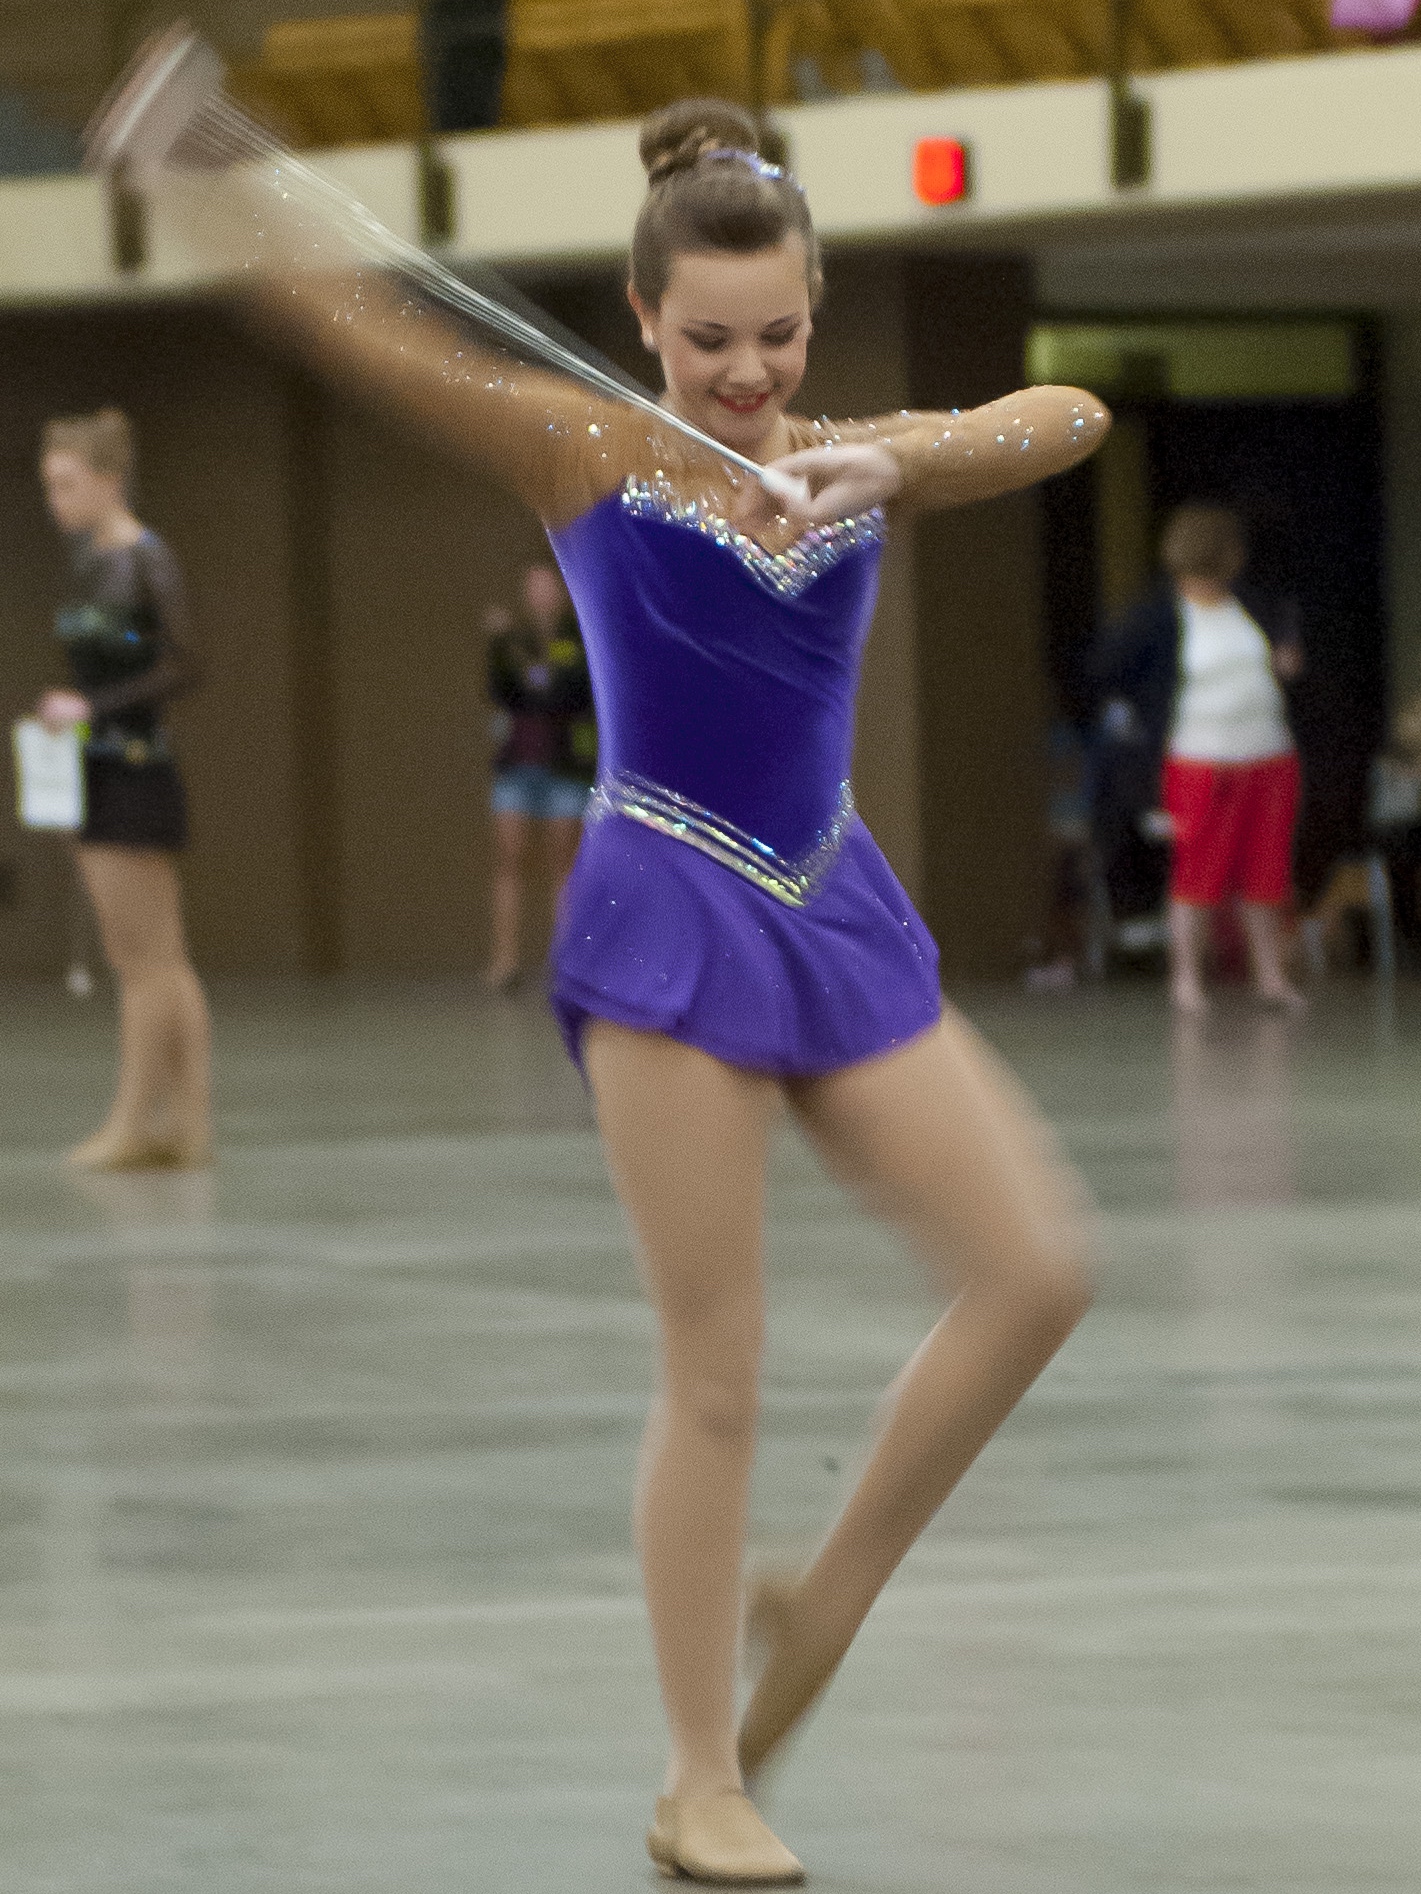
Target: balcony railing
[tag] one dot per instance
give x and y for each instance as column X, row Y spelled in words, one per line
column 357, row 79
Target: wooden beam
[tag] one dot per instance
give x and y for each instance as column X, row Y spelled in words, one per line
column 1074, row 27
column 1183, row 34
column 726, row 51
column 892, row 28
column 358, row 77
column 672, row 72
column 958, row 37
column 550, row 26
column 1088, row 22
column 588, row 81
column 1032, row 37
column 1255, row 26
column 331, row 44
column 1315, row 20
column 805, row 29
column 964, row 6
column 1220, row 16
column 531, row 95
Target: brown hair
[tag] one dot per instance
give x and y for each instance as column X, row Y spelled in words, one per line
column 699, row 201
column 104, row 440
column 1204, row 541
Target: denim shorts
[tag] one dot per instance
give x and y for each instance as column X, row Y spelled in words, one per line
column 532, row 789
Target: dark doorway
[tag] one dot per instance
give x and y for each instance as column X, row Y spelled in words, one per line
column 1307, row 478
column 1306, row 475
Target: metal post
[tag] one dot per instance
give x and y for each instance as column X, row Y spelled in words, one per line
column 438, row 214
column 128, row 223
column 772, row 141
column 1129, row 113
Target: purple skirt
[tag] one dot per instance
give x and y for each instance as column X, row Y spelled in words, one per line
column 657, row 936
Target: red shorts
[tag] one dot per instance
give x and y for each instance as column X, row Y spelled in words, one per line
column 1233, row 829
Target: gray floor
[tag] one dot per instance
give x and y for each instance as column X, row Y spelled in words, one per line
column 313, row 1483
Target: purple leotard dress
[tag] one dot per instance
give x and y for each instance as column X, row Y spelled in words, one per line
column 725, row 892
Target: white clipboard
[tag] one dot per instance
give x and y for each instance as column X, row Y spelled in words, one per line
column 49, row 776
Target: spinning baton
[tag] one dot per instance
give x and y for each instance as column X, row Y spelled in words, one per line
column 169, row 111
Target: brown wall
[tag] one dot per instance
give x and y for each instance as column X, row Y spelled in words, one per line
column 981, row 664
column 859, row 366
column 337, row 753
column 418, row 549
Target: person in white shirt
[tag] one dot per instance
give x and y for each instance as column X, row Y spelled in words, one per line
column 1199, row 679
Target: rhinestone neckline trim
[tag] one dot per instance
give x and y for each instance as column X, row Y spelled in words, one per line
column 785, row 574
column 794, row 882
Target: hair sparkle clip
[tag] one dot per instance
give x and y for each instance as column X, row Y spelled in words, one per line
column 762, row 167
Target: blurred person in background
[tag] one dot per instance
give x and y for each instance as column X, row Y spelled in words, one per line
column 1196, row 721
column 123, row 631
column 542, row 775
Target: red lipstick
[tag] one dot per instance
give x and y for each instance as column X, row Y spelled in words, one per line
column 751, row 406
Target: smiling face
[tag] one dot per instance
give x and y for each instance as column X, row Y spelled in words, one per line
column 732, row 332
column 79, row 498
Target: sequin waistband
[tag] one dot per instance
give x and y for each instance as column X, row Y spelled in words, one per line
column 795, row 882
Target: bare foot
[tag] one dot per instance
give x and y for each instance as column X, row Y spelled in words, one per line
column 123, row 1151
column 500, row 979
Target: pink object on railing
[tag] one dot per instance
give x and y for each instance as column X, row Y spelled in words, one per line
column 1373, row 16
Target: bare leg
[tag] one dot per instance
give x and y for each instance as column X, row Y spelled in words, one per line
column 510, row 851
column 161, row 1111
column 1188, row 926
column 940, row 1139
column 1263, row 929
column 686, row 1140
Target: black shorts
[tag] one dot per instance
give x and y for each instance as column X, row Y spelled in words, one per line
column 134, row 805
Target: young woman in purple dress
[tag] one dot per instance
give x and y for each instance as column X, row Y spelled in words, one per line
column 732, row 942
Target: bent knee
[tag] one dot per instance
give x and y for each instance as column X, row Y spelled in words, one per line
column 1055, row 1287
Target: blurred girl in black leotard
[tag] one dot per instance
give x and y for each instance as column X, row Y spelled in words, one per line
column 123, row 631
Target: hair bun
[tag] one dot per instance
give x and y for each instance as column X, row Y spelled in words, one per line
column 679, row 135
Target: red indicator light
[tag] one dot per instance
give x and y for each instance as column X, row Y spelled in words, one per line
column 940, row 171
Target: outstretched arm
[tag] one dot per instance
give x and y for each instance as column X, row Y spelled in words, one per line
column 927, row 461
column 557, row 444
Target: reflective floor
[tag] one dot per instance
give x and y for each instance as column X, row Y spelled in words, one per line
column 314, row 1477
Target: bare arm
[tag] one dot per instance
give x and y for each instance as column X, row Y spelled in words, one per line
column 928, row 461
column 954, row 459
column 556, row 444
